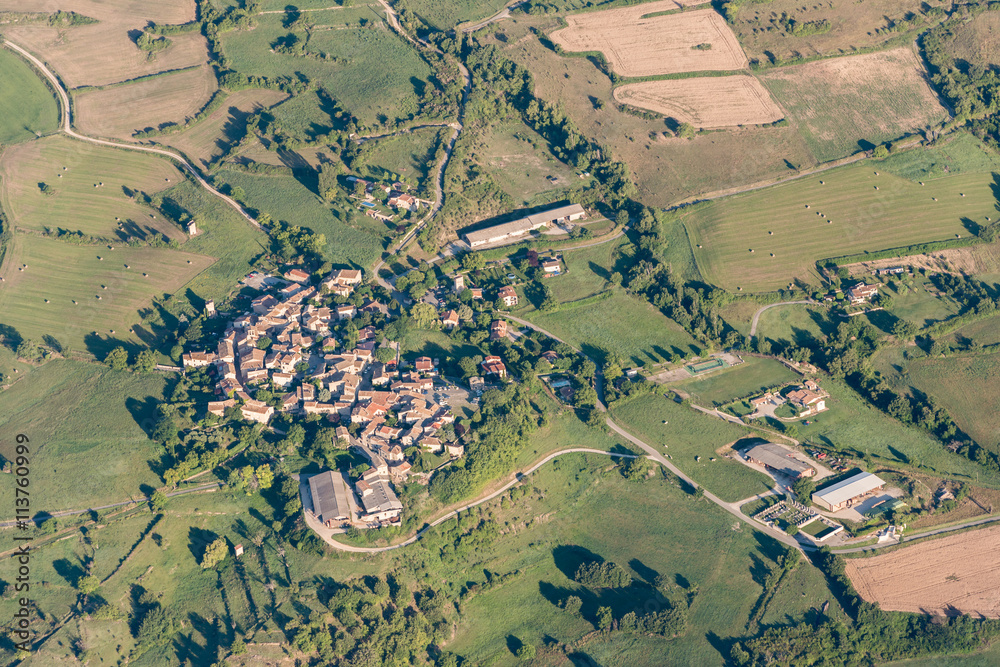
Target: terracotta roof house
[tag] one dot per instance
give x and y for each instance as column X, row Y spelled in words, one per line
column 509, row 296
column 492, row 365
column 498, row 329
column 861, row 293
column 296, row 275
column 450, row 319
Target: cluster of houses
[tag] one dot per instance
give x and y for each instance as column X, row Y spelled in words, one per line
column 807, row 399
column 301, row 360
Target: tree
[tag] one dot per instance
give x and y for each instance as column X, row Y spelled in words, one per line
column 686, row 131
column 145, row 362
column 385, row 354
column 158, row 501
column 473, row 261
column 263, row 343
column 49, row 526
column 572, row 604
column 636, row 470
column 526, row 652
column 239, row 647
column 215, row 553
column 803, row 489
column 117, row 359
column 424, row 315
column 27, row 350
column 265, row 476
column 881, row 151
column 88, row 584
column 604, row 618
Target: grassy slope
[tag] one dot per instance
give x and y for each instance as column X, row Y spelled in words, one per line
column 687, row 434
column 898, row 213
column 409, row 157
column 32, row 110
column 798, row 324
column 623, row 324
column 285, row 198
column 86, row 424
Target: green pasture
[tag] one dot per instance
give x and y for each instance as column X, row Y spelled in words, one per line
column 800, row 324
column 90, row 189
column 376, row 75
column 958, row 154
column 917, row 300
column 87, row 425
column 28, row 108
column 288, row 199
column 685, row 434
column 622, row 324
column 43, row 278
column 409, row 157
column 724, row 386
column 848, row 210
column 446, row 14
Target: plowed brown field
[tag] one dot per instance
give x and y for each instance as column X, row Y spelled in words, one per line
column 948, row 576
column 639, row 46
column 705, row 102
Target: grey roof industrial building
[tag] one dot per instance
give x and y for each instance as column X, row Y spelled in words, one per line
column 781, row 459
column 330, row 497
column 524, row 225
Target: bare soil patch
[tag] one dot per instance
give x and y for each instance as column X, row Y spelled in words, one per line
column 949, row 576
column 207, row 139
column 707, row 102
column 104, row 52
column 637, row 45
column 121, row 110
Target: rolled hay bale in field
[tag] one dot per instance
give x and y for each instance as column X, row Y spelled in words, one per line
column 807, row 205
column 100, row 259
column 961, row 194
column 934, row 198
column 876, row 187
column 751, row 249
column 772, row 254
column 770, row 233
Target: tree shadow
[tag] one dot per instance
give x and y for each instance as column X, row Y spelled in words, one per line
column 144, row 413
column 580, row 659
column 599, row 270
column 569, row 557
column 69, row 571
column 644, row 571
column 198, row 540
column 11, row 337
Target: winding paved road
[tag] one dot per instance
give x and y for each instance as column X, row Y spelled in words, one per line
column 67, row 128
column 756, row 316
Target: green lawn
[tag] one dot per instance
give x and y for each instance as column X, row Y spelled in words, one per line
column 408, row 157
column 688, row 434
column 753, row 375
column 587, row 271
column 961, row 153
column 28, row 108
column 858, row 218
column 623, row 324
column 86, row 425
column 916, row 300
column 286, row 198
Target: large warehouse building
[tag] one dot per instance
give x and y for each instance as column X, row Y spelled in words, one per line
column 779, row 459
column 847, row 492
column 510, row 230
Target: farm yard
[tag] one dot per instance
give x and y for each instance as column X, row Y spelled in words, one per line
column 764, row 240
column 784, row 29
column 709, row 102
column 104, row 52
column 625, row 325
column 666, row 169
column 842, row 105
column 119, row 111
column 636, row 44
column 75, row 200
column 947, row 576
column 28, row 108
column 67, row 291
column 206, row 140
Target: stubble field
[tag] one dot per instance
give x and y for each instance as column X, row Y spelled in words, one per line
column 103, row 52
column 842, row 105
column 120, row 111
column 843, row 211
column 709, row 102
column 947, row 576
column 638, row 45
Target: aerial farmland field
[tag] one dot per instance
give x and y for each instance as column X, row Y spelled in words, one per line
column 638, row 45
column 32, row 111
column 84, row 296
column 947, row 576
column 119, row 111
column 842, row 105
column 709, row 102
column 105, row 52
column 75, row 199
column 764, row 240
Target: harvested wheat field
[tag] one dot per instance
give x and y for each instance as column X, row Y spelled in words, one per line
column 104, row 52
column 842, row 104
column 119, row 111
column 948, row 576
column 209, row 138
column 637, row 44
column 705, row 102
